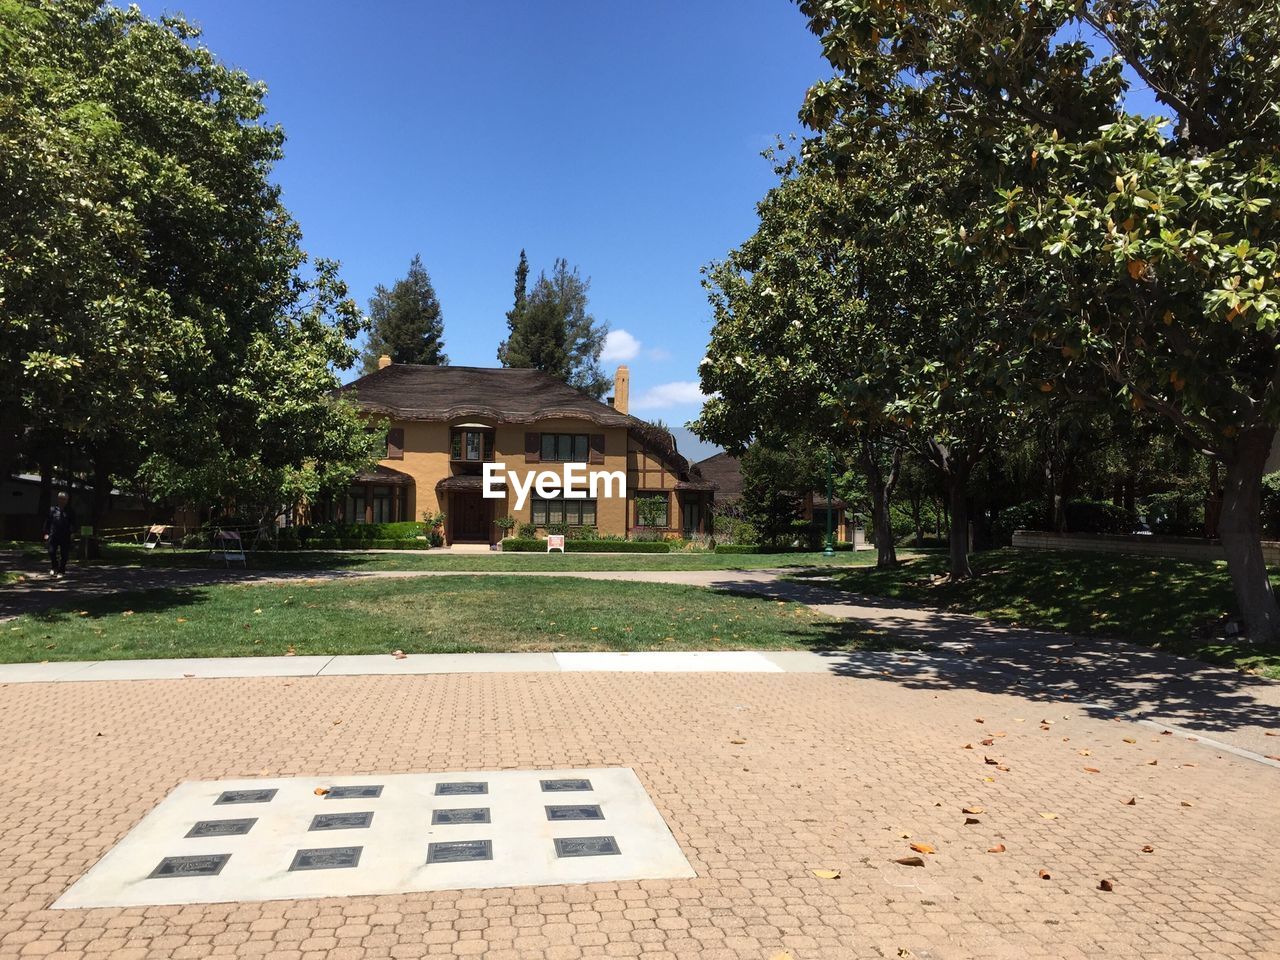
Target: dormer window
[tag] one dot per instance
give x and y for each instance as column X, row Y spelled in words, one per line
column 471, row 443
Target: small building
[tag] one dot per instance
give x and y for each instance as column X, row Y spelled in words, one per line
column 724, row 472
column 446, row 422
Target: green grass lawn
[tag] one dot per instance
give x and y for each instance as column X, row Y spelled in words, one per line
column 468, row 562
column 421, row 615
column 1151, row 600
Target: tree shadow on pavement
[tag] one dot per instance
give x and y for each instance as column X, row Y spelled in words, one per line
column 939, row 650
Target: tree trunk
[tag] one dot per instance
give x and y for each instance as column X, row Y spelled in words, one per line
column 915, row 518
column 957, row 493
column 1240, row 528
column 881, row 487
column 101, row 492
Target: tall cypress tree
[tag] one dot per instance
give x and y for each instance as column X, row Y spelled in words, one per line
column 551, row 330
column 407, row 322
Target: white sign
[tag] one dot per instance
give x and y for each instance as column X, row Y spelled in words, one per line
column 573, row 482
column 555, row 541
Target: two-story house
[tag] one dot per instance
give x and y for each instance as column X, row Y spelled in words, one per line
column 446, row 422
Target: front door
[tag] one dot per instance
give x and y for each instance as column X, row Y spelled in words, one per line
column 470, row 518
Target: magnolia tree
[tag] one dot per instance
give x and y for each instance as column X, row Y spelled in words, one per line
column 156, row 306
column 1158, row 234
column 846, row 318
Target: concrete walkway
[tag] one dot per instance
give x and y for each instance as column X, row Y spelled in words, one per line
column 1106, row 677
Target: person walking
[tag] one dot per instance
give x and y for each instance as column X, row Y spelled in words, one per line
column 58, row 526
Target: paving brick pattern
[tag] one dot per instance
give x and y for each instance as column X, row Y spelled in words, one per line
column 833, row 772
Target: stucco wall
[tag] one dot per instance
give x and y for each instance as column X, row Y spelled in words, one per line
column 426, row 460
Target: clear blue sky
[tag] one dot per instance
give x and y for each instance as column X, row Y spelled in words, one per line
column 624, row 137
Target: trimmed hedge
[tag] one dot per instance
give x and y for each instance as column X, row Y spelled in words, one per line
column 331, row 544
column 737, row 548
column 514, row 545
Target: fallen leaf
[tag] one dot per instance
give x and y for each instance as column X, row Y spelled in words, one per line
column 988, row 742
column 923, row 848
column 321, row 791
column 1148, row 849
column 188, row 674
column 738, row 742
column 1187, row 803
column 1106, row 885
column 399, row 654
column 1131, row 802
column 85, row 613
column 1085, row 753
column 1271, row 756
column 826, row 874
column 1049, row 816
column 1130, row 740
column 182, row 619
column 1001, row 767
column 978, row 720
column 969, row 821
column 1153, row 763
column 1092, row 770
column 968, row 746
column 338, row 721
column 259, row 610
column 1044, row 875
column 972, row 810
column 1166, row 733
column 127, row 613
column 910, row 861
column 1271, row 733
column 989, row 760
column 998, row 848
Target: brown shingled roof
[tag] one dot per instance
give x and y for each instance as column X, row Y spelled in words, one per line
column 410, row 391
column 725, row 472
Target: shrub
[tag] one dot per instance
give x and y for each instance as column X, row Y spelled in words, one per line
column 1022, row 516
column 737, row 548
column 521, row 545
column 1180, row 513
column 401, row 530
column 1099, row 516
column 731, row 529
column 528, row 531
column 582, row 533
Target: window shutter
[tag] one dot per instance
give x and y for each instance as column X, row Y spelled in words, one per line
column 597, row 448
column 395, row 443
column 532, row 448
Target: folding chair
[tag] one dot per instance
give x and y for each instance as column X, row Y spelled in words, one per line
column 155, row 537
column 229, row 544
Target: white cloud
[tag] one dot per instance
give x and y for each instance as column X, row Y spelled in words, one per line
column 619, row 346
column 678, row 393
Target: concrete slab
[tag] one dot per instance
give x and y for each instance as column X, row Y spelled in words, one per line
column 283, row 855
column 423, row 663
column 805, row 661
column 208, row 667
column 675, row 662
column 41, row 672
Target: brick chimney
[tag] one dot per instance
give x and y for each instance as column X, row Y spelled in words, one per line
column 622, row 389
column 384, row 361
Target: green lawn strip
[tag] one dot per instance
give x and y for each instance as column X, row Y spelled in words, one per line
column 466, row 563
column 424, row 615
column 1159, row 602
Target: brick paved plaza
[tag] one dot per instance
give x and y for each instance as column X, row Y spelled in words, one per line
column 834, row 773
